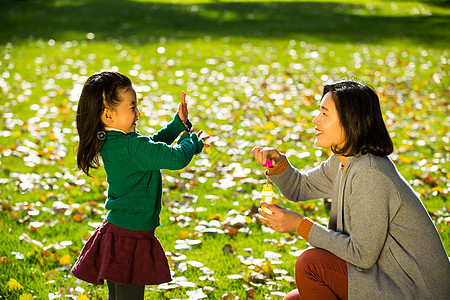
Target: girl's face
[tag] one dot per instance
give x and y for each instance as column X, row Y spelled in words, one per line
column 126, row 114
column 329, row 131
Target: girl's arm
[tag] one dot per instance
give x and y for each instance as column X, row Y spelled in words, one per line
column 170, row 133
column 179, row 123
column 150, row 155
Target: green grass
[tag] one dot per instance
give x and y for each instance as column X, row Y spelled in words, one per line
column 252, row 71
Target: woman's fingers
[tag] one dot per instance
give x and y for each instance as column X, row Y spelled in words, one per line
column 255, row 150
column 272, row 207
column 281, row 219
column 257, row 154
column 263, row 154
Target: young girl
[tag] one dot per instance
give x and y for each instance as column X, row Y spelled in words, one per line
column 124, row 250
column 380, row 242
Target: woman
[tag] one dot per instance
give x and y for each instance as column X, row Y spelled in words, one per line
column 380, row 242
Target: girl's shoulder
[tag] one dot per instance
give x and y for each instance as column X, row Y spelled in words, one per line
column 115, row 139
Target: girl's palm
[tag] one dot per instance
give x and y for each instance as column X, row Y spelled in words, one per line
column 182, row 109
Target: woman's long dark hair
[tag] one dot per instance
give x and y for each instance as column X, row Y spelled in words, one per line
column 99, row 91
column 359, row 111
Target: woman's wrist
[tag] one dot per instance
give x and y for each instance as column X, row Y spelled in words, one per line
column 279, row 160
column 304, row 227
column 279, row 167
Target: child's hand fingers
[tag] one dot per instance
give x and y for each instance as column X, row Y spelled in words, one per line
column 183, row 98
column 199, row 134
column 204, row 141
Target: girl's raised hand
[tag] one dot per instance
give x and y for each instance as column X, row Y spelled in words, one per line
column 182, row 109
column 199, row 135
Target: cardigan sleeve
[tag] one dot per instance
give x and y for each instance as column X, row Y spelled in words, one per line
column 316, row 183
column 151, row 155
column 169, row 133
column 372, row 194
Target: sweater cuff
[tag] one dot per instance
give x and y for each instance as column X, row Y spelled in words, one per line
column 304, row 227
column 186, row 126
column 278, row 169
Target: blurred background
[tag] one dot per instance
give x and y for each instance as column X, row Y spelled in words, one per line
column 253, row 72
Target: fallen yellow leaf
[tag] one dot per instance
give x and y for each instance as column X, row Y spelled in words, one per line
column 183, row 235
column 50, row 275
column 65, row 260
column 13, row 285
column 267, row 268
column 77, row 218
column 269, row 125
column 437, row 189
column 26, row 296
column 82, row 297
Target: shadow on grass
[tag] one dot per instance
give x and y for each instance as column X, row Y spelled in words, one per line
column 144, row 22
column 441, row 3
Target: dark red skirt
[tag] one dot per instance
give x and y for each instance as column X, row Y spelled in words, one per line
column 122, row 256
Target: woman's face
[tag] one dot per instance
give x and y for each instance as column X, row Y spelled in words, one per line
column 329, row 130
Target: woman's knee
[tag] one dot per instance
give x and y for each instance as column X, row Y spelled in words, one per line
column 309, row 257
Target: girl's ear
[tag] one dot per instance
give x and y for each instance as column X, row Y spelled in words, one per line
column 107, row 116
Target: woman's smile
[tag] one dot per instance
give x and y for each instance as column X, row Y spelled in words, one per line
column 318, row 131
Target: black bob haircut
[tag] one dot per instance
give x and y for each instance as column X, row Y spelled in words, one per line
column 359, row 111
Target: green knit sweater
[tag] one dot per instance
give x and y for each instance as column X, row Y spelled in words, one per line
column 133, row 163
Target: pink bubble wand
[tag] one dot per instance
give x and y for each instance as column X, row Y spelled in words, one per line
column 267, row 164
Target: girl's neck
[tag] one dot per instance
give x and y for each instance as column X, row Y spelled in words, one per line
column 115, row 129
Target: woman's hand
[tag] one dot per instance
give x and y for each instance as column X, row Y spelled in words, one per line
column 182, row 109
column 263, row 154
column 281, row 219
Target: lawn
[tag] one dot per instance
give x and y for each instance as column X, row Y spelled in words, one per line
column 253, row 72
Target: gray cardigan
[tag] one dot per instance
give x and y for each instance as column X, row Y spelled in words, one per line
column 378, row 225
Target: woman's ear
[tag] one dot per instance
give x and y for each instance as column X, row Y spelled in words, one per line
column 107, row 116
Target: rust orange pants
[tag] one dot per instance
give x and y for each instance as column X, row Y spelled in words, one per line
column 319, row 275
